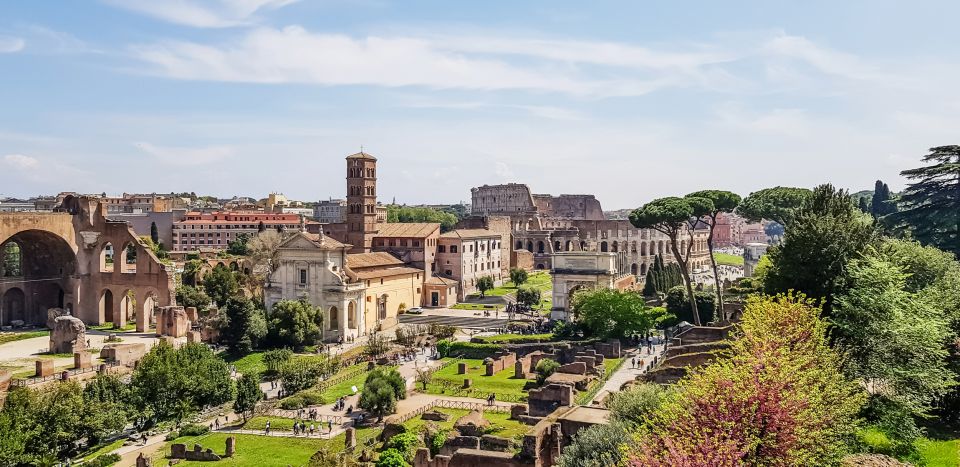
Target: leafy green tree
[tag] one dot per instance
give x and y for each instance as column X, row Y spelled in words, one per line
column 191, row 269
column 154, row 233
column 238, row 246
column 406, row 444
column 221, row 285
column 825, row 234
column 299, row 374
column 930, row 206
column 894, row 341
column 294, row 324
column 596, row 446
column 377, row 345
column 777, row 204
column 528, row 296
column 778, row 398
column 613, row 313
column 406, row 214
column 378, row 398
column 170, row 383
column 882, row 202
column 106, row 401
column 189, row 296
column 862, row 204
column 674, row 217
column 632, row 406
column 484, row 284
column 678, row 304
column 275, row 359
column 518, row 276
column 544, row 369
column 243, row 325
column 248, row 394
column 723, row 202
column 393, row 378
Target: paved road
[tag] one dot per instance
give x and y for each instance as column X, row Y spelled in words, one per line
column 468, row 322
column 627, row 371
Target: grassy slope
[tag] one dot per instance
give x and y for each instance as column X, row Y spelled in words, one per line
column 540, row 280
column 725, row 259
column 500, row 383
column 502, row 425
column 19, row 336
column 254, row 450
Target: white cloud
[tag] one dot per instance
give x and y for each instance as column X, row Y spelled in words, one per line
column 186, row 156
column 19, row 161
column 194, row 13
column 504, row 171
column 11, row 44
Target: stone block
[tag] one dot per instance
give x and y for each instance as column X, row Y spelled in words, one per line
column 350, row 438
column 82, row 360
column 575, row 368
column 44, row 368
column 518, row 371
column 435, row 416
column 517, row 411
column 64, row 375
column 496, row 443
column 461, row 368
column 172, row 321
column 69, row 335
column 467, row 382
column 144, row 461
column 178, row 451
column 490, row 371
column 192, row 315
column 124, row 354
column 193, row 337
column 53, row 314
column 231, row 447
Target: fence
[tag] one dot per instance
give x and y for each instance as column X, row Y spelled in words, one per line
column 457, row 389
column 58, row 375
column 448, row 404
column 339, row 378
column 296, row 414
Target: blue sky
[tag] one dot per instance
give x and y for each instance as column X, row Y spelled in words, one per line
column 625, row 100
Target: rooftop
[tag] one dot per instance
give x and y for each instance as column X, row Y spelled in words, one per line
column 471, row 233
column 370, row 260
column 362, row 155
column 407, row 230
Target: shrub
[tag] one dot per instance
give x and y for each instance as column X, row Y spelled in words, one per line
column 436, row 441
column 300, row 374
column 545, row 368
column 172, row 436
column 292, row 403
column 443, row 347
column 406, row 444
column 441, row 331
column 678, row 304
column 194, row 429
column 470, row 350
column 104, row 460
column 391, row 458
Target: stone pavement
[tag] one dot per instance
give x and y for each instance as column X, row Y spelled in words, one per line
column 627, row 372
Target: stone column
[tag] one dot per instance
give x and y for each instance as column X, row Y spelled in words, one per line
column 342, row 319
column 119, row 314
column 361, row 319
column 143, row 318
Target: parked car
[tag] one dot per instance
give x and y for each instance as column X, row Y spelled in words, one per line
column 415, row 311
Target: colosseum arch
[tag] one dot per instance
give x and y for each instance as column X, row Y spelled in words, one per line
column 604, row 247
column 39, row 271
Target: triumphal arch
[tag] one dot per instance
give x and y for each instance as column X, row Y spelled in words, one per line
column 76, row 260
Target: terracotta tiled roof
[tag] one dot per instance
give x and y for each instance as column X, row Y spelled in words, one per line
column 407, row 230
column 437, row 280
column 385, row 272
column 361, row 155
column 327, row 241
column 471, row 233
column 370, row 260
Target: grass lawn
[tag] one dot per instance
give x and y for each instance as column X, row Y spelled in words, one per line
column 343, row 388
column 254, row 450
column 611, row 364
column 726, row 259
column 276, row 423
column 501, row 425
column 939, row 453
column 6, row 337
column 106, row 448
column 108, row 327
column 538, row 280
column 247, row 364
column 503, row 384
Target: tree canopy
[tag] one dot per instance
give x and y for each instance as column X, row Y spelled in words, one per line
column 613, row 313
column 295, row 324
column 406, row 214
column 723, row 202
column 930, row 206
column 776, row 204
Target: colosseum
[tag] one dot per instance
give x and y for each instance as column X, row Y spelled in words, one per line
column 547, row 224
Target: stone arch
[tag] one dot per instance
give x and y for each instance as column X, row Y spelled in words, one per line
column 351, row 316
column 615, row 247
column 604, row 247
column 540, row 266
column 42, row 265
column 146, row 313
column 635, row 270
column 128, row 258
column 643, row 248
column 583, row 246
column 540, row 246
column 643, row 269
column 126, row 308
column 334, row 316
column 556, row 246
column 633, row 247
column 107, row 255
column 106, row 306
column 519, row 244
column 234, row 266
column 13, row 306
column 530, row 246
column 660, row 250
column 569, row 246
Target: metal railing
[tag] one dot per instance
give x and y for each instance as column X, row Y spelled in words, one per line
column 58, row 375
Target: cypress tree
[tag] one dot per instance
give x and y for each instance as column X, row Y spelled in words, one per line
column 863, row 205
column 154, row 234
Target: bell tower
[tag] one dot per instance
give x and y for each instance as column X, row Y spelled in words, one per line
column 361, row 215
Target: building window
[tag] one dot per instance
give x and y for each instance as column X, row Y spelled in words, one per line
column 303, row 276
column 453, row 248
column 448, row 272
column 441, row 249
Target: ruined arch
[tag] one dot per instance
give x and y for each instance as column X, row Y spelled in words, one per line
column 107, row 255
column 334, row 318
column 106, row 306
column 569, row 246
column 604, row 247
column 643, row 248
column 540, row 246
column 519, row 245
column 634, row 269
column 128, row 258
column 11, row 260
column 41, row 266
column 530, row 246
column 643, row 269
column 12, row 306
column 556, row 246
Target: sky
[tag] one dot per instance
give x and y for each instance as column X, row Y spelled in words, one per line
column 626, row 100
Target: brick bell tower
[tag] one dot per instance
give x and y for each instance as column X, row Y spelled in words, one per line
column 361, row 216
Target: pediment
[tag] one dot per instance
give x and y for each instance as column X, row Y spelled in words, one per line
column 300, row 242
